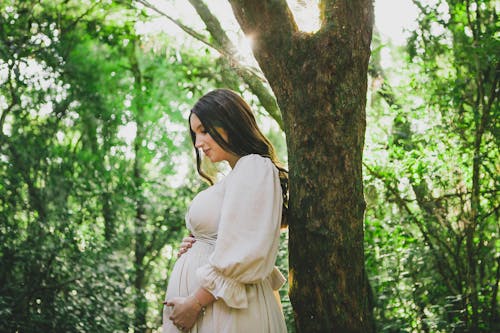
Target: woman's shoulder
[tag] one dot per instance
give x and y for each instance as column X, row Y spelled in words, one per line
column 252, row 168
column 254, row 159
column 252, row 171
column 254, row 162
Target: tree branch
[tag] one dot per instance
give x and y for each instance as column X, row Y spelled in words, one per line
column 255, row 82
column 181, row 25
column 442, row 263
column 223, row 45
column 15, row 99
column 213, row 26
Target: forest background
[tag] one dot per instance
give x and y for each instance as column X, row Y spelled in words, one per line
column 96, row 165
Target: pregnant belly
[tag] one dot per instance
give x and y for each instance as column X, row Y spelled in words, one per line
column 183, row 280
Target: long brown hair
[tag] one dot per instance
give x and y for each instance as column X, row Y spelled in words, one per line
column 223, row 108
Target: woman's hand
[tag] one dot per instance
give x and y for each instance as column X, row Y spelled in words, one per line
column 186, row 244
column 185, row 312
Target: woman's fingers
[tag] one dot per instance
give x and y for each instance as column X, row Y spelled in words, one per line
column 187, row 242
column 186, row 245
column 183, row 315
column 172, row 302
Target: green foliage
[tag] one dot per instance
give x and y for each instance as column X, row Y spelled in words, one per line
column 70, row 113
column 431, row 188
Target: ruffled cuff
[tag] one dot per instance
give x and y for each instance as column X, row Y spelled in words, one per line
column 276, row 279
column 231, row 291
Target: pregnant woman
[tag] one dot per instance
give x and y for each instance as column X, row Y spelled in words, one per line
column 227, row 281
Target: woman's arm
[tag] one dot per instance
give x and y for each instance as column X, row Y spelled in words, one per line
column 248, row 234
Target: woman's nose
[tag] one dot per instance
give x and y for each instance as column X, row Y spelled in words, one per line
column 198, row 142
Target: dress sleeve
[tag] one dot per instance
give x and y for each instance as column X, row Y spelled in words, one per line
column 248, row 235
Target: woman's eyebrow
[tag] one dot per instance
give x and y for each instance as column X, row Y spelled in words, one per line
column 198, row 127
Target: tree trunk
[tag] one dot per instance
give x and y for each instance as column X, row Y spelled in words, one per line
column 320, row 82
column 140, row 301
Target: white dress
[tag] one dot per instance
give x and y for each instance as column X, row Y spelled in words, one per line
column 236, row 223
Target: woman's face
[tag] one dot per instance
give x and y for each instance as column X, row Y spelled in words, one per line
column 208, row 145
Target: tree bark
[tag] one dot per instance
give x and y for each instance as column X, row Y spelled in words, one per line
column 320, row 82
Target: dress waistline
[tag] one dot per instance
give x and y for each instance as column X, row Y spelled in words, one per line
column 206, row 240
